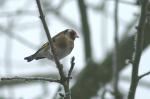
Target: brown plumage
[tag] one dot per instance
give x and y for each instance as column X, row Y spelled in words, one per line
column 63, row 44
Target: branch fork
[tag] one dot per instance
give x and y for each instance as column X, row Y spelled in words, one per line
column 64, row 80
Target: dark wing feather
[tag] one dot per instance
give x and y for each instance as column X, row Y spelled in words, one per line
column 57, row 36
column 46, row 46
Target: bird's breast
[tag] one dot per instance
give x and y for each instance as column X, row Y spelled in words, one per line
column 65, row 49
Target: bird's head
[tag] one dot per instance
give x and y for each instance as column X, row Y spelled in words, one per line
column 71, row 34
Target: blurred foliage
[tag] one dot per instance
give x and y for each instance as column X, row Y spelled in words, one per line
column 2, row 97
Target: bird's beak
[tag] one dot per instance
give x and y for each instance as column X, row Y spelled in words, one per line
column 77, row 36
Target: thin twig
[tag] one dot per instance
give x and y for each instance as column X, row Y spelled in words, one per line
column 116, row 52
column 70, row 70
column 143, row 75
column 29, row 79
column 69, row 76
column 142, row 83
column 125, row 2
column 72, row 66
column 85, row 30
column 42, row 17
column 15, row 36
column 64, row 80
column 138, row 50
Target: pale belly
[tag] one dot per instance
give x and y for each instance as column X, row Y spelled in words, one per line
column 60, row 53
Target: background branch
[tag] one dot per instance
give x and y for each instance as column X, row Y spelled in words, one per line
column 42, row 17
column 72, row 66
column 20, row 82
column 64, row 80
column 17, row 37
column 138, row 50
column 97, row 75
column 143, row 75
column 125, row 2
column 85, row 29
column 115, row 59
column 29, row 79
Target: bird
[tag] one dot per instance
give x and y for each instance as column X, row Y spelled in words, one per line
column 63, row 43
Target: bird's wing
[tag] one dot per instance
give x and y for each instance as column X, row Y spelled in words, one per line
column 58, row 36
column 45, row 47
column 55, row 39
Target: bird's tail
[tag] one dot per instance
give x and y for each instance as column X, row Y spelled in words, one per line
column 29, row 58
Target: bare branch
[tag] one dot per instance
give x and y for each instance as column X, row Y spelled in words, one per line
column 64, row 80
column 29, row 79
column 42, row 17
column 115, row 67
column 142, row 83
column 17, row 37
column 138, row 50
column 72, row 66
column 125, row 2
column 85, row 29
column 143, row 75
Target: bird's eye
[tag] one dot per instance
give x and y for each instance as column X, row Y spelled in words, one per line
column 73, row 33
column 65, row 31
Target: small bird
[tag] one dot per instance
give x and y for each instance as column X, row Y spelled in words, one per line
column 63, row 44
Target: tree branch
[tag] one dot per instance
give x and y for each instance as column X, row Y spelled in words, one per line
column 29, row 79
column 98, row 75
column 143, row 75
column 42, row 17
column 17, row 37
column 72, row 66
column 64, row 80
column 138, row 50
column 115, row 60
column 125, row 2
column 85, row 29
